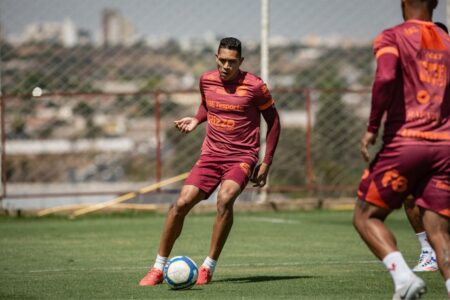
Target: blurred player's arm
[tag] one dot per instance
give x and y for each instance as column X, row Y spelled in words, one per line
column 382, row 89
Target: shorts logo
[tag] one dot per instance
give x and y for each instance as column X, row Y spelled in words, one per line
column 398, row 183
column 245, row 167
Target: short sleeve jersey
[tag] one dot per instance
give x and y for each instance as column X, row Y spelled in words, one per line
column 233, row 112
column 420, row 107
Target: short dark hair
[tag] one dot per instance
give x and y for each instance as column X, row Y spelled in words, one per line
column 232, row 44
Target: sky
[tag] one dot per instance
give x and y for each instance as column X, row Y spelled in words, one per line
column 293, row 19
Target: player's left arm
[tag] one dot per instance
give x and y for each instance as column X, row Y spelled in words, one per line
column 272, row 119
column 387, row 57
column 269, row 112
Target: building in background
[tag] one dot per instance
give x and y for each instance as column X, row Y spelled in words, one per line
column 64, row 33
column 116, row 29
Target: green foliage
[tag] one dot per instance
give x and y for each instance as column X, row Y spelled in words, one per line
column 336, row 136
column 152, row 83
column 18, row 127
column 84, row 109
column 186, row 148
column 139, row 167
column 290, row 168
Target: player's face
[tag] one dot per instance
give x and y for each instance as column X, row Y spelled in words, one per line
column 228, row 63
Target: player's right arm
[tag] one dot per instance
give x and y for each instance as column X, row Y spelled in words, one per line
column 386, row 54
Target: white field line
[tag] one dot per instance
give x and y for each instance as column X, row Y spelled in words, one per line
column 270, row 220
column 120, row 269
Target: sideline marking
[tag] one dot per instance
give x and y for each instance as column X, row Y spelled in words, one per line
column 271, row 220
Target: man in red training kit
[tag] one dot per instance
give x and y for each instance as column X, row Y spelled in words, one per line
column 232, row 103
column 412, row 87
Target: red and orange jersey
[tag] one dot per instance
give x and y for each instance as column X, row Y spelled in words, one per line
column 233, row 113
column 418, row 108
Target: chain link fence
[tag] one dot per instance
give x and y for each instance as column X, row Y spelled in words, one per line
column 90, row 89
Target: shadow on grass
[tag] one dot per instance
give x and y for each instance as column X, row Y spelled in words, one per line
column 261, row 278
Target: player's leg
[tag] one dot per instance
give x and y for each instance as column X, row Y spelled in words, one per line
column 368, row 220
column 413, row 213
column 437, row 228
column 189, row 196
column 427, row 258
column 226, row 196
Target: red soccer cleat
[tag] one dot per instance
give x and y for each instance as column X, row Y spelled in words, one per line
column 204, row 276
column 153, row 277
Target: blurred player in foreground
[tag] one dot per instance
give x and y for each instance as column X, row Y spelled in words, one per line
column 411, row 86
column 232, row 103
column 427, row 258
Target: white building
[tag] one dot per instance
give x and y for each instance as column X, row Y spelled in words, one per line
column 65, row 33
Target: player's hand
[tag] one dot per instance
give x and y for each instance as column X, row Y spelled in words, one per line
column 260, row 175
column 186, row 125
column 367, row 138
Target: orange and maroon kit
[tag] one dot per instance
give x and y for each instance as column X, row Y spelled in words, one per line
column 411, row 89
column 233, row 111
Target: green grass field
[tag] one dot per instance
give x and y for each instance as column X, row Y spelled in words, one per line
column 302, row 255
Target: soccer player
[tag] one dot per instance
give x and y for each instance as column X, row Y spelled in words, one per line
column 412, row 87
column 232, row 104
column 427, row 258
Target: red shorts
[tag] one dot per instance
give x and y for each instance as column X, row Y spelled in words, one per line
column 419, row 170
column 209, row 171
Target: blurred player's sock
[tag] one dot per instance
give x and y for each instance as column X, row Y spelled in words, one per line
column 447, row 285
column 210, row 264
column 398, row 268
column 160, row 262
column 423, row 240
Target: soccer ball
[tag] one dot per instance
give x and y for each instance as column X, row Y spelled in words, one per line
column 180, row 273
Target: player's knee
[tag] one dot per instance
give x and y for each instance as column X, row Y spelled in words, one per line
column 226, row 195
column 181, row 207
column 224, row 208
column 357, row 222
column 359, row 219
